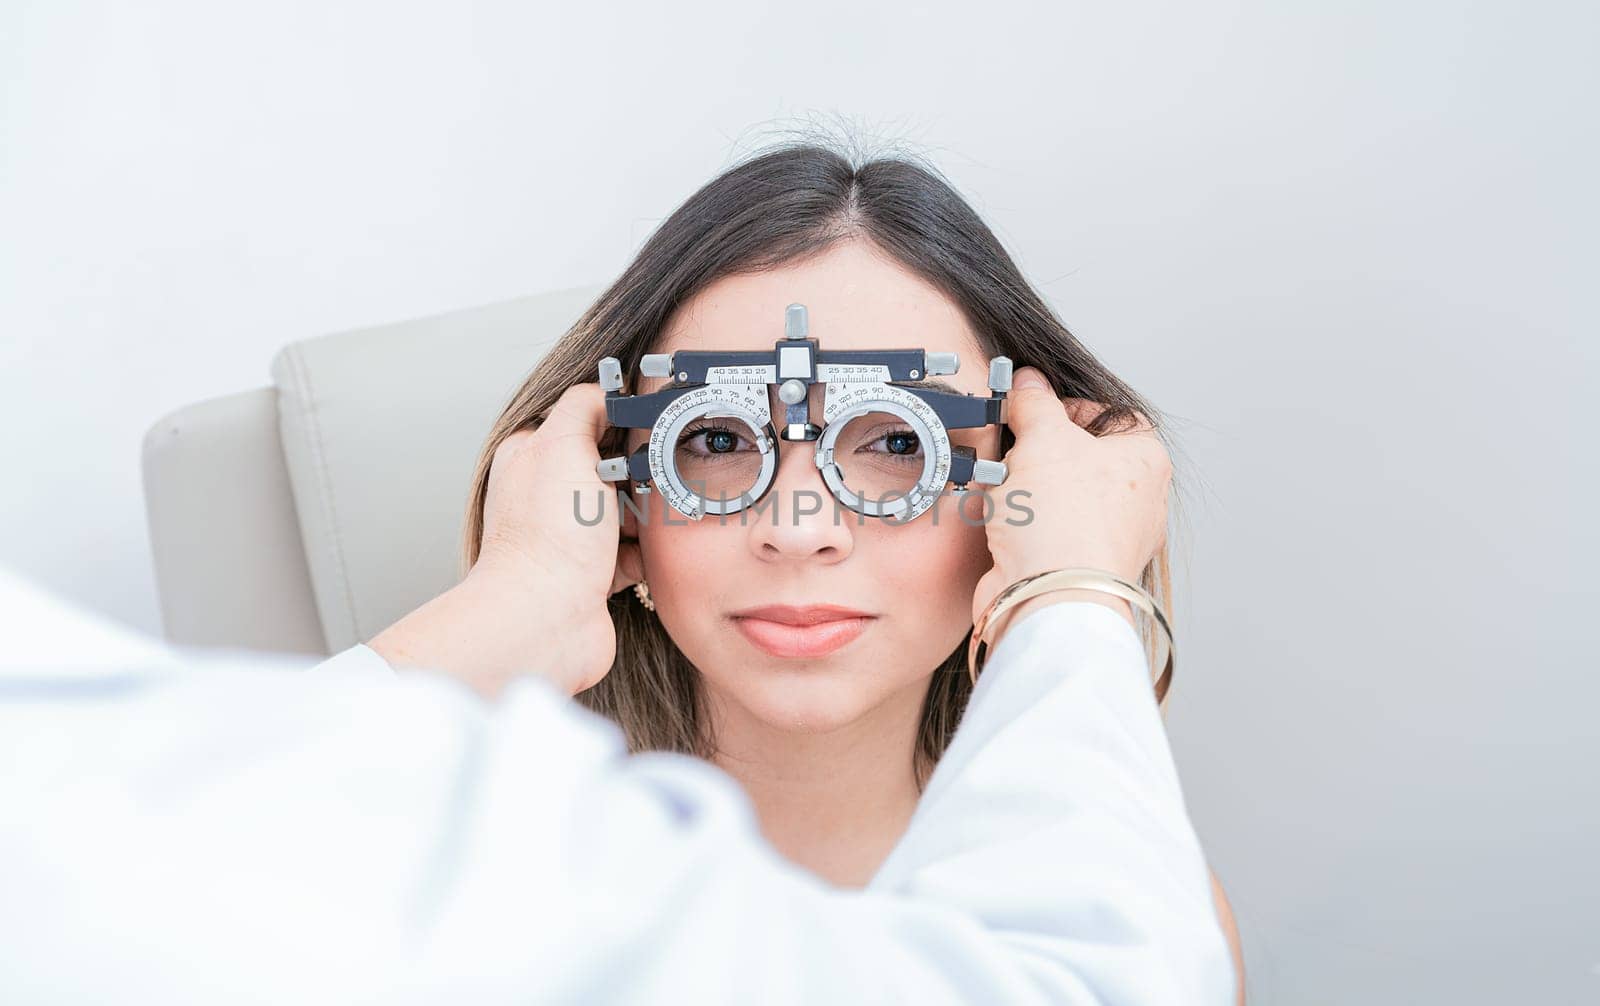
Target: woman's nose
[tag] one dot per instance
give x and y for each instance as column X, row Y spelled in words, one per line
column 799, row 518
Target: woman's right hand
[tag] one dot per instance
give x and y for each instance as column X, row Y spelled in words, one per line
column 1099, row 502
column 534, row 601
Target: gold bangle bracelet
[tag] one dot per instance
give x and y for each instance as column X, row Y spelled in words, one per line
column 1075, row 578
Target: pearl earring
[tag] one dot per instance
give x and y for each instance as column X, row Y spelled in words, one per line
column 641, row 590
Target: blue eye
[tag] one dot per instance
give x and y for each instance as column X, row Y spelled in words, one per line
column 901, row 445
column 715, row 437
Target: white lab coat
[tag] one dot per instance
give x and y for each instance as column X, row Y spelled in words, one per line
column 188, row 827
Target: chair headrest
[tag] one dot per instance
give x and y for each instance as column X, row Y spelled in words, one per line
column 381, row 431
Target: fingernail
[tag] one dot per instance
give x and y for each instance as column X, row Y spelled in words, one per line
column 1027, row 377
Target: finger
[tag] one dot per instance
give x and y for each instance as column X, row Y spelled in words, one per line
column 1032, row 407
column 507, row 464
column 578, row 415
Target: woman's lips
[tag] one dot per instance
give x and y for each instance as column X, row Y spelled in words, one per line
column 784, row 640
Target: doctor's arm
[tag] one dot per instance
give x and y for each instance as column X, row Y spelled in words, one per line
column 1050, row 858
column 185, row 836
column 463, row 631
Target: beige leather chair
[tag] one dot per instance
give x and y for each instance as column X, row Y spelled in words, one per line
column 309, row 515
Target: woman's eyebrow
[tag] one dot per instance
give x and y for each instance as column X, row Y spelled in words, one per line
column 935, row 384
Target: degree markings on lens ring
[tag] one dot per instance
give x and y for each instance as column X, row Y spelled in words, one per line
column 736, row 401
column 842, row 400
column 745, row 405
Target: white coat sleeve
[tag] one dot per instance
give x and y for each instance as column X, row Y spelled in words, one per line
column 229, row 833
column 359, row 659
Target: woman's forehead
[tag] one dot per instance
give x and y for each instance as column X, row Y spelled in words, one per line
column 854, row 300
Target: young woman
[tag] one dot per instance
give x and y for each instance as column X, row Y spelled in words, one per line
column 833, row 730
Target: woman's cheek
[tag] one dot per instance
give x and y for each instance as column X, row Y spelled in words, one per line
column 682, row 555
column 928, row 574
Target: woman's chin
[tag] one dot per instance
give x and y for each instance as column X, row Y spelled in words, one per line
column 808, row 706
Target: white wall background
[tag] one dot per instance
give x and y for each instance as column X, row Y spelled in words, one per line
column 1350, row 246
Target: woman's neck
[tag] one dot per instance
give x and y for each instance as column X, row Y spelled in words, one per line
column 837, row 802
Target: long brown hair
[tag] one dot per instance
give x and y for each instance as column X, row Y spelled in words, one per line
column 781, row 205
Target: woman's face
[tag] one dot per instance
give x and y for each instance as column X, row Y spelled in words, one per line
column 915, row 579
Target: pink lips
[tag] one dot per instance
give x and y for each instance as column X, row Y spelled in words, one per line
column 813, row 631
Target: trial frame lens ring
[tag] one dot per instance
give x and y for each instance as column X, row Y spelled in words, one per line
column 918, row 498
column 677, row 492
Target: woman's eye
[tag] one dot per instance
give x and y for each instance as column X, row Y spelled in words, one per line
column 713, row 440
column 898, row 443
